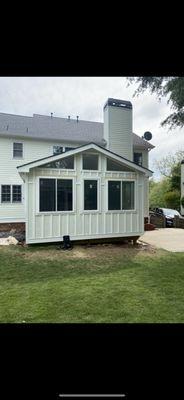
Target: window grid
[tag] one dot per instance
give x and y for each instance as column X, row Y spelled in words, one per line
column 16, row 194
column 17, row 150
column 11, row 193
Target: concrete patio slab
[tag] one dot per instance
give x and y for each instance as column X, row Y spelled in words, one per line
column 171, row 239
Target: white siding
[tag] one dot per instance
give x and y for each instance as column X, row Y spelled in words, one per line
column 118, row 131
column 145, row 163
column 80, row 224
column 32, row 150
column 182, row 186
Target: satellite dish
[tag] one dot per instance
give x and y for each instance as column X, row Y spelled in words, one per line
column 147, row 135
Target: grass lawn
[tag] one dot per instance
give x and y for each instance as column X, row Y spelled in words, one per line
column 114, row 283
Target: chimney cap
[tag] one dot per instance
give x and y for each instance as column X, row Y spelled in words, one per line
column 118, row 103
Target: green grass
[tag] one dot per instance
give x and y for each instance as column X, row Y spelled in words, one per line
column 114, row 283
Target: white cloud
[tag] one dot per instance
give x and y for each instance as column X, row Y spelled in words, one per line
column 85, row 96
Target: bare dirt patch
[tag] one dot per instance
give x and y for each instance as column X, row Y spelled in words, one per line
column 106, row 251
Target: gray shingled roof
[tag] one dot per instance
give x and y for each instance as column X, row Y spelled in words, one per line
column 55, row 128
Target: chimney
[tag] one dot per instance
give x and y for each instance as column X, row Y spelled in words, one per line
column 118, row 127
column 77, row 118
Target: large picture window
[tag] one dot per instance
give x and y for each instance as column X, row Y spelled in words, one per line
column 64, row 195
column 115, row 166
column 47, row 194
column 90, row 194
column 121, row 195
column 56, row 194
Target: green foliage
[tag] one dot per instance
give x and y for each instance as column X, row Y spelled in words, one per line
column 182, row 201
column 157, row 191
column 173, row 88
column 172, row 199
column 166, row 164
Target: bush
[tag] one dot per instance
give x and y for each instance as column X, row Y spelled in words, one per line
column 172, row 199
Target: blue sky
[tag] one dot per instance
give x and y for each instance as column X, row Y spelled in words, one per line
column 85, row 96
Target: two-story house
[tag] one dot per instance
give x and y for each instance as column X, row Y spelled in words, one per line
column 64, row 176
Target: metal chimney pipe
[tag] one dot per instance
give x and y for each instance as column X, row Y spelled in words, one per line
column 77, row 118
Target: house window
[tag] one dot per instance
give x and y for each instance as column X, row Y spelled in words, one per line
column 17, row 150
column 64, row 195
column 138, row 158
column 16, row 194
column 6, row 193
column 127, row 195
column 114, row 195
column 11, row 194
column 121, row 195
column 57, row 150
column 65, row 163
column 115, row 166
column 69, row 148
column 90, row 194
column 90, row 161
column 56, row 194
column 47, row 194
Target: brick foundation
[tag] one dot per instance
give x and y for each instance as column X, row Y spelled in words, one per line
column 16, row 229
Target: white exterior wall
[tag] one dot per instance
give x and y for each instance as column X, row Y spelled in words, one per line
column 118, row 131
column 145, row 163
column 182, row 186
column 80, row 224
column 32, row 150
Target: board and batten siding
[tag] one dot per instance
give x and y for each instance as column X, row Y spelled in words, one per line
column 32, row 150
column 182, row 187
column 80, row 224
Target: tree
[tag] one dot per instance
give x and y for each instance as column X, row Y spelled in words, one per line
column 166, row 166
column 172, row 199
column 165, row 86
column 157, row 191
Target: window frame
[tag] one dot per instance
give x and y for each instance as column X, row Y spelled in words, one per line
column 141, row 154
column 19, row 142
column 16, row 202
column 56, row 145
column 121, row 211
column 116, row 171
column 11, row 194
column 98, row 210
column 55, row 212
column 89, row 170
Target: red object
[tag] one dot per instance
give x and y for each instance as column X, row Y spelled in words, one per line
column 149, row 227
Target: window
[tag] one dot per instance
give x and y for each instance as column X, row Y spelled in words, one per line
column 57, row 150
column 69, row 148
column 120, row 195
column 114, row 195
column 138, row 158
column 90, row 161
column 17, row 150
column 16, row 194
column 11, row 194
column 90, row 194
column 47, row 195
column 56, row 194
column 115, row 166
column 66, row 163
column 64, row 195
column 127, row 195
column 6, row 193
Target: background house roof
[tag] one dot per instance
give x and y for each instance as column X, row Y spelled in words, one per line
column 44, row 127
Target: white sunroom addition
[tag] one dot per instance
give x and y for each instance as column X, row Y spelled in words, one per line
column 87, row 193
